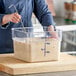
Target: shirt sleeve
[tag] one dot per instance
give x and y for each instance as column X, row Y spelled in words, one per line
column 42, row 13
column 2, row 13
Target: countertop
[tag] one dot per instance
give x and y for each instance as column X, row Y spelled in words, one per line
column 60, row 21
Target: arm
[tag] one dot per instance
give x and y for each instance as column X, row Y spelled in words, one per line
column 44, row 16
column 6, row 18
column 42, row 13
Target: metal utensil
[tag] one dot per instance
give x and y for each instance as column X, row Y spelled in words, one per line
column 17, row 12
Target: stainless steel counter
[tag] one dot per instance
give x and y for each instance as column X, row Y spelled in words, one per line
column 67, row 73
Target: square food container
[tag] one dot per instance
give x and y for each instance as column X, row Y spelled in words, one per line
column 36, row 44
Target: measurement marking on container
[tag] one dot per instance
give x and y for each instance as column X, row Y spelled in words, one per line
column 45, row 47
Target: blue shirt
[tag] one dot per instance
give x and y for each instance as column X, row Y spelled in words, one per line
column 25, row 9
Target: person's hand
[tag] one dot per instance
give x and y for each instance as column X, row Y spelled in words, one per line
column 15, row 18
column 53, row 33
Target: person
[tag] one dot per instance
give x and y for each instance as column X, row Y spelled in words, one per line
column 10, row 18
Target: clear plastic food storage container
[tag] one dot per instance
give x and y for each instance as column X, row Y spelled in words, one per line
column 36, row 44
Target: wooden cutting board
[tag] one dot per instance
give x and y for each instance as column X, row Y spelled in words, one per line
column 14, row 66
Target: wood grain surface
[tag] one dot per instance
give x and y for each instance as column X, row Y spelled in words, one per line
column 14, row 66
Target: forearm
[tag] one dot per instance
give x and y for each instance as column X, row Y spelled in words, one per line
column 42, row 13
